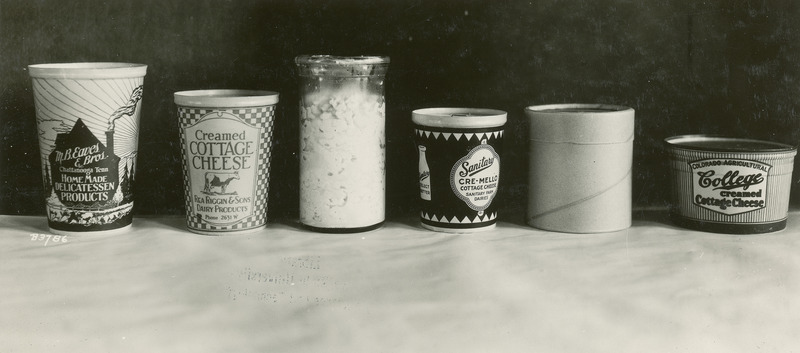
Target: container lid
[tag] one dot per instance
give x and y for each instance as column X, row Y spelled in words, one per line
column 87, row 70
column 341, row 66
column 726, row 144
column 225, row 98
column 459, row 117
column 581, row 123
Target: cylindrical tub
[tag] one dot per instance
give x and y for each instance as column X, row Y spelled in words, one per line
column 730, row 185
column 459, row 167
column 580, row 159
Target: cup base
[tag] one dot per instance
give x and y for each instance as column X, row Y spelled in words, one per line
column 343, row 230
column 227, row 232
column 90, row 233
column 458, row 230
column 728, row 228
column 579, row 230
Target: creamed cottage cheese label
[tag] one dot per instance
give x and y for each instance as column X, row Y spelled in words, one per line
column 729, row 186
column 226, row 159
column 474, row 178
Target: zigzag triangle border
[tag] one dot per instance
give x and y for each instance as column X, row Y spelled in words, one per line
column 458, row 136
column 455, row 220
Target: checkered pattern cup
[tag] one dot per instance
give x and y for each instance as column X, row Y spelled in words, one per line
column 226, row 139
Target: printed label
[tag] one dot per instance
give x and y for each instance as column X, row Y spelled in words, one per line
column 222, row 154
column 84, row 171
column 89, row 149
column 424, row 175
column 474, row 178
column 729, row 186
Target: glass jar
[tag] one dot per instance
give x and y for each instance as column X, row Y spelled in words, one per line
column 342, row 142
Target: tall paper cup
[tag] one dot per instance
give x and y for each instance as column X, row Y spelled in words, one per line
column 580, row 167
column 87, row 115
column 226, row 139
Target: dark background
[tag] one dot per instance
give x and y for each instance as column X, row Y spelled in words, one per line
column 726, row 67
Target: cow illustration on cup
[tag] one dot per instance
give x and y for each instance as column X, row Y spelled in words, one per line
column 220, row 181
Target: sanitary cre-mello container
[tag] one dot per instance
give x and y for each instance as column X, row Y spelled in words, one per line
column 459, row 167
column 730, row 185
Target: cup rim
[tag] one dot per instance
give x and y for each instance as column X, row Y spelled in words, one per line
column 225, row 98
column 87, row 70
column 720, row 143
column 449, row 117
column 581, row 123
column 590, row 108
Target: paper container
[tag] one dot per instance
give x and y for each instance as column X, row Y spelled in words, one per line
column 87, row 115
column 226, row 139
column 580, row 167
column 342, row 142
column 459, row 167
column 730, row 185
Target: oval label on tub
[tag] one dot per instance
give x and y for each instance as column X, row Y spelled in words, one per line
column 729, row 186
column 474, row 177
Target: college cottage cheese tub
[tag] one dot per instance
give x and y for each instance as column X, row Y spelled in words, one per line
column 730, row 185
column 342, row 142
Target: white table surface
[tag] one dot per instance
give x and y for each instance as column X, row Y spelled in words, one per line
column 160, row 288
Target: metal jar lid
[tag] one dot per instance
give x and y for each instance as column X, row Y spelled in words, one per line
column 341, row 66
